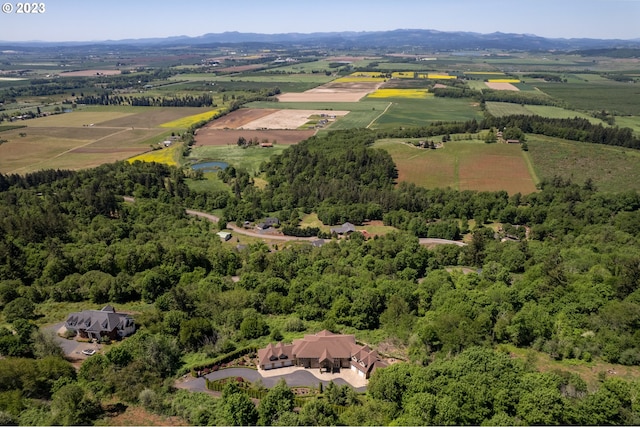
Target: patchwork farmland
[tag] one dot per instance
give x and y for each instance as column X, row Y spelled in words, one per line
column 333, row 93
column 87, row 137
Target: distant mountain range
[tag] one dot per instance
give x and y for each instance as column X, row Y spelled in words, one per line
column 396, row 39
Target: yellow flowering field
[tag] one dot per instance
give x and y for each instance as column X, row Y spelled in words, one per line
column 400, row 93
column 185, row 122
column 504, row 81
column 440, row 76
column 403, row 74
column 166, row 156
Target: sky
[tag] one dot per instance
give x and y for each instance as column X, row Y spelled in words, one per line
column 91, row 20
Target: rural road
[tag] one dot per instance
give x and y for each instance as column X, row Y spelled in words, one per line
column 245, row 232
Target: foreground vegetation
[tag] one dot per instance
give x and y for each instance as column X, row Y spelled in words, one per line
column 566, row 287
column 551, row 266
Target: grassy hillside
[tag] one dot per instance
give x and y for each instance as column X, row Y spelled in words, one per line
column 611, row 168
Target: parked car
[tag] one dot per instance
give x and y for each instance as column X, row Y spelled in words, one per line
column 88, row 352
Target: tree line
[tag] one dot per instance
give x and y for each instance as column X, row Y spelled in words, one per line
column 203, row 100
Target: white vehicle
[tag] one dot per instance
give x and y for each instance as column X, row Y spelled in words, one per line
column 88, row 352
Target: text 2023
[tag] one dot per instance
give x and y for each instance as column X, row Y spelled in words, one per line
column 31, row 8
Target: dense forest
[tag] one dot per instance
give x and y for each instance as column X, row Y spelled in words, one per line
column 559, row 276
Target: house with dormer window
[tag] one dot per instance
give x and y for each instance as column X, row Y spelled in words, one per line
column 95, row 324
column 325, row 351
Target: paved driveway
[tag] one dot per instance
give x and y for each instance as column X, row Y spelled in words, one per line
column 297, row 378
column 71, row 348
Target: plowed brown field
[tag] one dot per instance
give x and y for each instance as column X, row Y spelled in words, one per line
column 230, row 136
column 238, row 118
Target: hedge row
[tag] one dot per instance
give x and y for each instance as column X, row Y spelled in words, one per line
column 214, row 364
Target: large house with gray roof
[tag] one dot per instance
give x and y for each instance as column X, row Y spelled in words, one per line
column 100, row 323
column 325, row 350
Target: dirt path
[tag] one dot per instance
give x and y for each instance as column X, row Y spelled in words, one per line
column 379, row 115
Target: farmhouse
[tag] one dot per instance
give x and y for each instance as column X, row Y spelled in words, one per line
column 100, row 323
column 325, row 350
column 268, row 223
column 345, row 228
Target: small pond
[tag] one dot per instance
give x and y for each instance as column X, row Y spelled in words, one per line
column 210, row 166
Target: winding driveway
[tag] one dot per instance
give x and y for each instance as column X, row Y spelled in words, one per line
column 245, row 232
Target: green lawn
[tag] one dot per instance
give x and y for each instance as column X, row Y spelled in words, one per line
column 210, row 183
column 245, row 158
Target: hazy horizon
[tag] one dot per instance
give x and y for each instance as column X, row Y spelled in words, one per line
column 66, row 21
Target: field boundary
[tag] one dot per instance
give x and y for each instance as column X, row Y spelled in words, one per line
column 379, row 115
column 532, row 171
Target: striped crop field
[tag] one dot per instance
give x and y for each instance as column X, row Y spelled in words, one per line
column 503, row 80
column 186, row 122
column 400, row 93
column 166, row 156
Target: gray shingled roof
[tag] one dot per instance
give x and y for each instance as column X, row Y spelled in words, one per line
column 105, row 320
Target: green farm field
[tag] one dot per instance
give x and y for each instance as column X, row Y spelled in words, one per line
column 252, row 82
column 612, row 169
column 561, row 113
column 500, row 109
column 617, row 98
column 632, row 122
column 421, row 112
column 462, row 166
column 313, row 68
